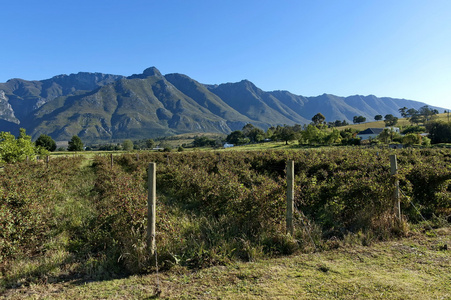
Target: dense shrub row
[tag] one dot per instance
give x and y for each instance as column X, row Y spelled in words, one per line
column 29, row 193
column 214, row 207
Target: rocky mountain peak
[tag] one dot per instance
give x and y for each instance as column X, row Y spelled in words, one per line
column 152, row 71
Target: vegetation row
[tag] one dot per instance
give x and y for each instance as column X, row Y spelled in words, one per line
column 213, row 207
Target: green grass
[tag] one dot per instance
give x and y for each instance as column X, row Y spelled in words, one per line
column 417, row 267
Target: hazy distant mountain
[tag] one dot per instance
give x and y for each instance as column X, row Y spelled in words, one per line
column 103, row 107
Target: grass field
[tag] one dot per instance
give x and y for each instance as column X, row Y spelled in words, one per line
column 380, row 124
column 417, row 267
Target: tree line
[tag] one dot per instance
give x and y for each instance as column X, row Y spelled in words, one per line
column 318, row 132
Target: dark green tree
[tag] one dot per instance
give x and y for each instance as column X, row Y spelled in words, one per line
column 236, row 138
column 358, row 119
column 254, row 134
column 349, row 137
column 427, row 113
column 75, row 144
column 338, row 123
column 285, row 133
column 203, row 141
column 414, row 116
column 390, row 120
column 150, row 143
column 378, row 117
column 127, row 145
column 45, row 142
column 403, row 112
column 318, row 119
column 439, row 132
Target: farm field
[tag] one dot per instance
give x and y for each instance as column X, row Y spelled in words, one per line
column 77, row 227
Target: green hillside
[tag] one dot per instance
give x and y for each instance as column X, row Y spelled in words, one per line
column 104, row 108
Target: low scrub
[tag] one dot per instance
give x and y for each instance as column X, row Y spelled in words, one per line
column 212, row 207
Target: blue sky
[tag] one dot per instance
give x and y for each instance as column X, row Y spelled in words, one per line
column 398, row 48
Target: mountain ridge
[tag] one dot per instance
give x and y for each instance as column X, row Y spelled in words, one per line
column 106, row 107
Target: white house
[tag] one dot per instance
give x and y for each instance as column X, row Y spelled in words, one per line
column 371, row 133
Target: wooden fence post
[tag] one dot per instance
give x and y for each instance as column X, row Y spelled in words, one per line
column 394, row 171
column 151, row 205
column 112, row 161
column 47, row 161
column 290, row 196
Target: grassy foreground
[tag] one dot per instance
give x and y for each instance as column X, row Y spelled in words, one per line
column 416, row 267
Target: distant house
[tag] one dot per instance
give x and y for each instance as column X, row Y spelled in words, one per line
column 227, row 145
column 369, row 133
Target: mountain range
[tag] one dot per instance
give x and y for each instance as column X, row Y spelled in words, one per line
column 103, row 107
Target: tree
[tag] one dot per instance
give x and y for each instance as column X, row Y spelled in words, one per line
column 254, row 134
column 14, row 150
column 75, row 144
column 385, row 135
column 378, row 117
column 349, row 137
column 390, row 120
column 203, row 141
column 150, row 143
column 127, row 145
column 236, row 138
column 338, row 123
column 403, row 112
column 414, row 116
column 439, row 132
column 413, row 129
column 285, row 133
column 312, row 135
column 247, row 129
column 359, row 119
column 333, row 137
column 388, row 135
column 45, row 142
column 318, row 119
column 427, row 113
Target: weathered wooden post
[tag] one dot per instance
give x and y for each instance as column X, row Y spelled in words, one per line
column 112, row 161
column 394, row 172
column 47, row 161
column 151, row 205
column 290, row 196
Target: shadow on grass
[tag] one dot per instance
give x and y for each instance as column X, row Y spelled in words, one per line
column 42, row 274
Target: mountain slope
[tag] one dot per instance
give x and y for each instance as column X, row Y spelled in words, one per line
column 257, row 105
column 134, row 107
column 103, row 107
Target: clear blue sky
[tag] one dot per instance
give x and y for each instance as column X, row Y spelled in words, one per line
column 393, row 48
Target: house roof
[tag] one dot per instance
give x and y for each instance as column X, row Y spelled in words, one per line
column 371, row 131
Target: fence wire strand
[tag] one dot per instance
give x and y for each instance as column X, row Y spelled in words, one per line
column 416, row 209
